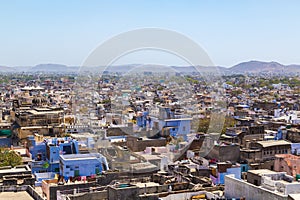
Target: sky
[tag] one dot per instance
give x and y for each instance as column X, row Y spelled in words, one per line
column 230, row 32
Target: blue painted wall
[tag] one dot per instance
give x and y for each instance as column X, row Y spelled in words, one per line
column 235, row 171
column 86, row 165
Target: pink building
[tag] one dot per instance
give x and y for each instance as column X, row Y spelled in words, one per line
column 287, row 163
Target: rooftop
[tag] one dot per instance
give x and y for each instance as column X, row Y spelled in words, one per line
column 80, row 156
column 270, row 143
column 15, row 195
column 179, row 119
column 17, row 169
column 262, row 172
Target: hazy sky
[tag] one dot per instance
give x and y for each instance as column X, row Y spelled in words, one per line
column 65, row 32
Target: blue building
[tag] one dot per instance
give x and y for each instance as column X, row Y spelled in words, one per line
column 180, row 127
column 82, row 164
column 171, row 124
column 223, row 169
column 144, row 120
column 236, row 171
column 46, row 154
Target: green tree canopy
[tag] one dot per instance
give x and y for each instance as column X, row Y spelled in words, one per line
column 9, row 158
column 204, row 124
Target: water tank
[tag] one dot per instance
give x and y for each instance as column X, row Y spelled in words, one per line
column 297, row 177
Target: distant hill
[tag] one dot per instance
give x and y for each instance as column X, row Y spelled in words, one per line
column 241, row 68
column 260, row 67
column 191, row 69
column 293, row 68
column 52, row 68
column 7, row 69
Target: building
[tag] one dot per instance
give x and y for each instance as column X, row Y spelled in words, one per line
column 172, row 124
column 82, row 164
column 287, row 163
column 43, row 121
column 261, row 151
column 225, row 152
column 270, row 148
column 13, row 176
column 223, row 169
column 261, row 184
column 46, row 153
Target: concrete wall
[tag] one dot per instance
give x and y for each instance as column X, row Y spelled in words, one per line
column 24, row 133
column 117, row 131
column 225, row 153
column 140, row 145
column 293, row 136
column 34, row 193
column 7, row 170
column 186, row 195
column 100, row 195
column 53, row 189
column 235, row 188
column 127, row 193
column 27, row 188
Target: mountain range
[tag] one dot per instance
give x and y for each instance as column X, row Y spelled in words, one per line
column 252, row 67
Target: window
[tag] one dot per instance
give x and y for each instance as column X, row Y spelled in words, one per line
column 183, row 128
column 67, row 166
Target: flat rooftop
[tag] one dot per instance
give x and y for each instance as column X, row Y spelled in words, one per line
column 15, row 170
column 150, row 156
column 293, row 196
column 270, row 143
column 36, row 112
column 80, row 156
column 15, row 195
column 148, row 184
column 179, row 119
column 262, row 172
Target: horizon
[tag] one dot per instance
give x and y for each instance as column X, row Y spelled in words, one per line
column 131, row 64
column 230, row 32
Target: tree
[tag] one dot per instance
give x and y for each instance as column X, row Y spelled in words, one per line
column 9, row 158
column 204, row 124
column 229, row 122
